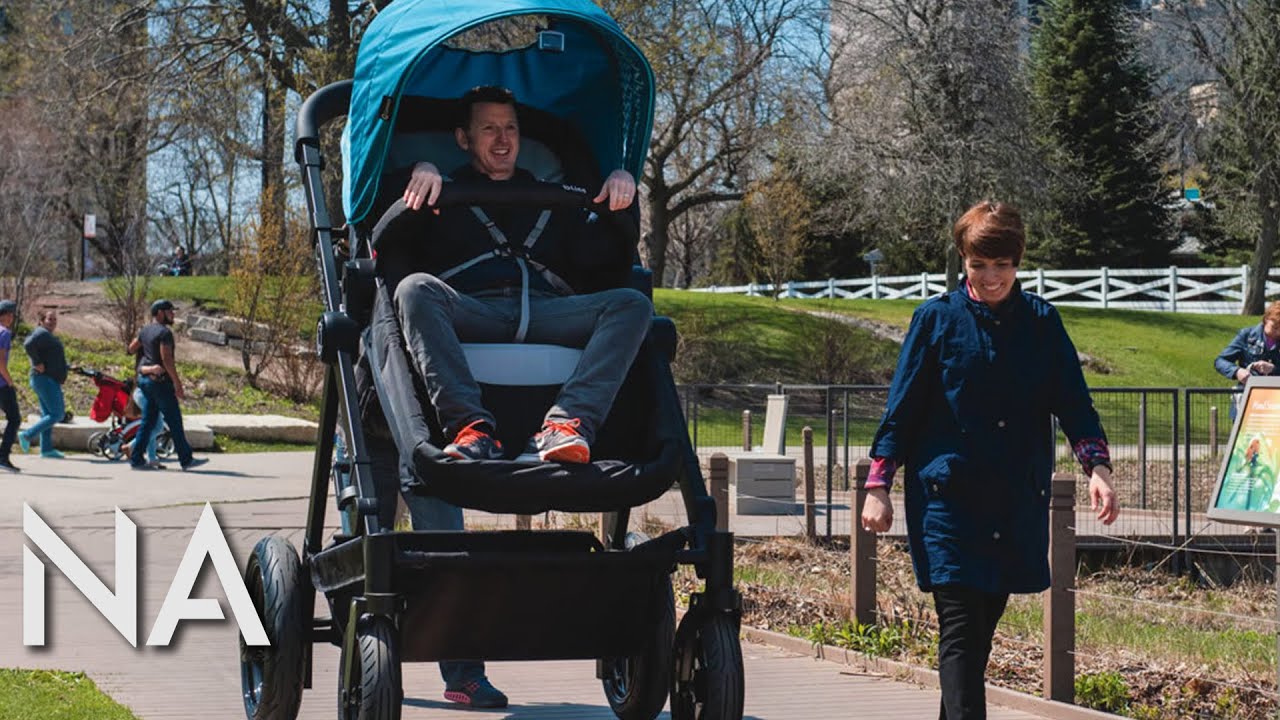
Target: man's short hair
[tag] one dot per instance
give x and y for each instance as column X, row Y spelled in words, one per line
column 160, row 305
column 991, row 230
column 482, row 94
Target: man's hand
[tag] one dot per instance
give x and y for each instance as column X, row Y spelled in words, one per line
column 39, row 368
column 619, row 189
column 1102, row 497
column 424, row 186
column 877, row 511
column 179, row 392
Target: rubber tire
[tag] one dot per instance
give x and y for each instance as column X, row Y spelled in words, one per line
column 277, row 584
column 644, row 690
column 718, row 658
column 380, row 692
column 95, row 444
column 164, row 444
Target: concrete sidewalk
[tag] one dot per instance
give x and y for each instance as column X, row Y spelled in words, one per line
column 255, row 495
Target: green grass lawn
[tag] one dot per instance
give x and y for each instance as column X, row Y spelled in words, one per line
column 55, row 695
column 1139, row 349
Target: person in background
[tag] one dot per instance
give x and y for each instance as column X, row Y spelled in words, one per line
column 8, row 396
column 181, row 264
column 48, row 373
column 981, row 371
column 1254, row 351
column 162, row 390
column 134, row 410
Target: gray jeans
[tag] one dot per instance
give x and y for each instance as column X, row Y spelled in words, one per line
column 608, row 326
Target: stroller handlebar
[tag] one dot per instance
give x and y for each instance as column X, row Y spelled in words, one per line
column 542, row 195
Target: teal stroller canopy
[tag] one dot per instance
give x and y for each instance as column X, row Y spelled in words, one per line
column 597, row 80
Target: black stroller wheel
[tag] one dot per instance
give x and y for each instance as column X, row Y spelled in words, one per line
column 376, row 693
column 715, row 691
column 637, row 686
column 271, row 677
column 164, row 444
column 96, row 444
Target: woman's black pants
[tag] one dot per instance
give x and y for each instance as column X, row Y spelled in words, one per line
column 966, row 623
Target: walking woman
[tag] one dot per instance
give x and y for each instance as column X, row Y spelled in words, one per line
column 8, row 396
column 981, row 371
column 48, row 373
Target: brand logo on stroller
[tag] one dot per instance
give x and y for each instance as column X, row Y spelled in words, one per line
column 121, row 607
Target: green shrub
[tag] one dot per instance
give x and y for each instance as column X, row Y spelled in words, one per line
column 1106, row 691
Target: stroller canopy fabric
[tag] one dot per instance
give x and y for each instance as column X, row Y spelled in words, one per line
column 599, row 82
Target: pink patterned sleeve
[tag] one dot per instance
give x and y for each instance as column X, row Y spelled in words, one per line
column 882, row 472
column 1092, row 452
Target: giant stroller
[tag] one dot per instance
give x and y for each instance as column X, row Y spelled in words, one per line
column 587, row 103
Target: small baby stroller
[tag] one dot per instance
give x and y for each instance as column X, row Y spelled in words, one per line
column 587, row 104
column 112, row 403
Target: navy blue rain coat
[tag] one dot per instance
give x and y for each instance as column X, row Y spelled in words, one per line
column 969, row 417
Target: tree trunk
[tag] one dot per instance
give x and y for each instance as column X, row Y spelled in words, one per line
column 273, row 121
column 659, row 237
column 1260, row 268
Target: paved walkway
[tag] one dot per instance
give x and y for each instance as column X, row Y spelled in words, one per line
column 258, row 494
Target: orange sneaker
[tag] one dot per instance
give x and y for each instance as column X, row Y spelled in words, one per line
column 561, row 442
column 475, row 443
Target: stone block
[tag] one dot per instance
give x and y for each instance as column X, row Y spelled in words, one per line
column 262, row 428
column 212, row 337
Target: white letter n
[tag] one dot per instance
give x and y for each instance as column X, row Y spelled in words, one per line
column 121, row 609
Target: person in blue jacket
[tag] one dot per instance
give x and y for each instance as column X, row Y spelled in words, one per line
column 1254, row 351
column 982, row 370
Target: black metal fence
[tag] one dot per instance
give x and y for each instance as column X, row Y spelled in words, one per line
column 1166, row 445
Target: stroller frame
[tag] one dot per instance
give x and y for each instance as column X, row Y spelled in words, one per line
column 376, row 578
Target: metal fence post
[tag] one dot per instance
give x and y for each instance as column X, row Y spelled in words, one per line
column 746, row 430
column 719, row 480
column 831, row 456
column 1059, row 600
column 810, row 521
column 1142, row 447
column 1213, row 432
column 862, row 552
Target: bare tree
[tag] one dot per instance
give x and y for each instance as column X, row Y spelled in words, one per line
column 1240, row 41
column 778, row 215
column 923, row 111
column 30, row 198
column 710, row 59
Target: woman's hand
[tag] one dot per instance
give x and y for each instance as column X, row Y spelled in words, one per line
column 424, row 185
column 877, row 511
column 1102, row 496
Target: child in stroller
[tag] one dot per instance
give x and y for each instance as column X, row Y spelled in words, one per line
column 116, row 402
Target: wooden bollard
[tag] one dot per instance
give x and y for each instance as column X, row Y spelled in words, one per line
column 524, row 522
column 1059, row 600
column 746, row 430
column 810, row 520
column 862, row 552
column 719, row 481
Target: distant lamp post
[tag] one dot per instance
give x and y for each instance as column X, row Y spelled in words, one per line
column 874, row 258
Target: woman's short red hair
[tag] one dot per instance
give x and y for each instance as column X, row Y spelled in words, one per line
column 1273, row 312
column 990, row 230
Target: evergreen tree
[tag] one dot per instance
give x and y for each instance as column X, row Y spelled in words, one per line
column 1092, row 101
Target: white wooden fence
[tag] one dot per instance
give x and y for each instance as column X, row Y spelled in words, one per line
column 1173, row 289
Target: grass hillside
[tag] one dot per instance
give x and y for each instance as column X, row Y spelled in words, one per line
column 737, row 339
column 1132, row 348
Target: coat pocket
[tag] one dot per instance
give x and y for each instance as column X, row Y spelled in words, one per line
column 946, row 476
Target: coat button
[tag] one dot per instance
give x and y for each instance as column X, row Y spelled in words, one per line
column 995, row 535
column 1000, row 424
column 933, row 487
column 997, row 322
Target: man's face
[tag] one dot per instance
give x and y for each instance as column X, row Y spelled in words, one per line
column 492, row 139
column 6, row 319
column 165, row 317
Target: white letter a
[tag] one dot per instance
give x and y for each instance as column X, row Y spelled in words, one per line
column 207, row 540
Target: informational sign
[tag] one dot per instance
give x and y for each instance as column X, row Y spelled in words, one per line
column 90, row 226
column 1247, row 491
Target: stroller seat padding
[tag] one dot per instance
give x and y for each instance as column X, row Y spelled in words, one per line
column 520, row 363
